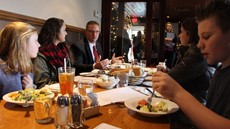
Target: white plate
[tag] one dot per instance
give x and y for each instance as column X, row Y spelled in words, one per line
column 95, row 71
column 148, row 83
column 7, row 98
column 54, row 87
column 87, row 74
column 77, row 78
column 158, row 94
column 145, row 91
column 132, row 104
column 148, row 78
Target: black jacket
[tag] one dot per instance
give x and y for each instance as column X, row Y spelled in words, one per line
column 82, row 57
column 192, row 71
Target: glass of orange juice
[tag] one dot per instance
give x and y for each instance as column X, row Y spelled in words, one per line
column 66, row 80
column 85, row 86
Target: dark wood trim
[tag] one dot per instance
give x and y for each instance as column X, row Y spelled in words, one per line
column 9, row 16
column 162, row 29
column 105, row 27
column 148, row 31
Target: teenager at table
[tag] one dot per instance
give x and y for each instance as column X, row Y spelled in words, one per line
column 214, row 43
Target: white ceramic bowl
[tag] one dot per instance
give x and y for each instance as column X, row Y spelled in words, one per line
column 107, row 85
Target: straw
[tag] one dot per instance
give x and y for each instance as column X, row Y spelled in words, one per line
column 65, row 65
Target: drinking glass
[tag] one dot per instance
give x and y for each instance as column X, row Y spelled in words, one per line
column 66, row 80
column 85, row 86
column 42, row 109
column 123, row 79
column 143, row 63
column 134, row 62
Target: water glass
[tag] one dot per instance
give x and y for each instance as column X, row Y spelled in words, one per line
column 124, row 79
column 134, row 62
column 143, row 63
column 85, row 86
column 66, row 80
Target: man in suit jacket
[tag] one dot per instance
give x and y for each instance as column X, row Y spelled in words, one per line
column 84, row 59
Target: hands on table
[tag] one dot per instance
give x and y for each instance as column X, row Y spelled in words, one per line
column 104, row 63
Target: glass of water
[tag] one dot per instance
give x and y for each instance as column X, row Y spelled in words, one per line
column 143, row 63
column 85, row 86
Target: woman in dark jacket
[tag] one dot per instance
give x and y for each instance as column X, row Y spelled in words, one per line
column 51, row 53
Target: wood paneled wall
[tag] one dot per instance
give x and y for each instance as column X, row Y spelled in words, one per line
column 74, row 33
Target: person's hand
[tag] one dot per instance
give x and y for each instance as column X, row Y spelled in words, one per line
column 102, row 64
column 165, row 85
column 27, row 81
column 98, row 60
column 115, row 59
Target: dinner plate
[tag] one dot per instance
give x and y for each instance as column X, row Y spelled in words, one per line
column 88, row 74
column 54, row 87
column 145, row 91
column 7, row 98
column 133, row 102
column 147, row 83
column 77, row 78
column 97, row 71
column 148, row 78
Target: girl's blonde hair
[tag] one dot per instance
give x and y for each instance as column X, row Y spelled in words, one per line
column 13, row 47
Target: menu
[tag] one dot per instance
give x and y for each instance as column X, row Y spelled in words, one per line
column 117, row 95
column 170, row 35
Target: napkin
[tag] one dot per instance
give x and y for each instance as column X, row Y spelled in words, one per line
column 117, row 95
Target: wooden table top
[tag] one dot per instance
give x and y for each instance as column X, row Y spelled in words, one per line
column 14, row 116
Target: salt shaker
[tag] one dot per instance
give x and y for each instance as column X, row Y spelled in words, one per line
column 76, row 111
column 62, row 112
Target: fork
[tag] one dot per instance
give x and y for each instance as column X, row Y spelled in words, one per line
column 149, row 100
column 26, row 100
column 152, row 92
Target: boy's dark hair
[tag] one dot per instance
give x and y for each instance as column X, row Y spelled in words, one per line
column 217, row 9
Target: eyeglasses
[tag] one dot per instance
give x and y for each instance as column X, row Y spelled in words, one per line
column 92, row 31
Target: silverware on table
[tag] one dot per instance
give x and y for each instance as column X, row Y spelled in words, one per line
column 27, row 97
column 149, row 100
column 152, row 93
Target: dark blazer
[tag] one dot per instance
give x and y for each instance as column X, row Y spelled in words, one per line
column 82, row 57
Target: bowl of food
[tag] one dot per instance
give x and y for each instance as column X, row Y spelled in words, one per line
column 106, row 81
column 158, row 106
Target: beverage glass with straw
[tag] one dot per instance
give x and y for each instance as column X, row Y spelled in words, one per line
column 66, row 79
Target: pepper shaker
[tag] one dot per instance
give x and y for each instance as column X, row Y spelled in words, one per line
column 76, row 111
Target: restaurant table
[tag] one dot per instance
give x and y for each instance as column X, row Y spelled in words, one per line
column 13, row 116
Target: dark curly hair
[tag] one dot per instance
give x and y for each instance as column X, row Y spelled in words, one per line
column 49, row 31
column 191, row 28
